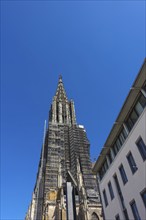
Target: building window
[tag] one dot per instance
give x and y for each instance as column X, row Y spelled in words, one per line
column 123, row 174
column 142, row 148
column 111, row 190
column 144, row 87
column 117, row 184
column 135, row 210
column 129, row 124
column 132, row 163
column 101, row 173
column 124, row 133
column 132, row 119
column 119, row 141
column 110, row 156
column 117, row 217
column 136, row 112
column 142, row 101
column 115, row 149
column 119, row 191
column 143, row 195
column 105, row 198
column 105, row 164
column 126, row 214
column 134, row 116
column 139, row 108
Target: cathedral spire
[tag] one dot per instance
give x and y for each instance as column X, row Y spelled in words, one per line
column 60, row 92
column 64, row 172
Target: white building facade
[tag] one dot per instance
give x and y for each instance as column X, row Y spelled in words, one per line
column 121, row 166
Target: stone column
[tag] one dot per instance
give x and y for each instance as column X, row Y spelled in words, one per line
column 54, row 111
column 67, row 114
column 73, row 115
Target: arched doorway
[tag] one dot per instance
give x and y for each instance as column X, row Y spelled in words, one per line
column 94, row 216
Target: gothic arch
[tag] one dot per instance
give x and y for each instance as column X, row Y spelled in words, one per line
column 94, row 216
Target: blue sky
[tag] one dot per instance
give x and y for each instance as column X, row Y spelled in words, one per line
column 97, row 46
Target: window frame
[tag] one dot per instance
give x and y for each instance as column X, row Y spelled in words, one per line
column 134, row 210
column 117, row 217
column 141, row 148
column 133, row 166
column 123, row 174
column 111, row 192
column 105, row 198
column 126, row 214
column 142, row 193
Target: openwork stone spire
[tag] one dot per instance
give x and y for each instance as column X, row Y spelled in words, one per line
column 62, row 110
column 60, row 92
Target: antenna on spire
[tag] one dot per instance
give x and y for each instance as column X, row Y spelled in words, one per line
column 44, row 132
column 42, row 153
column 43, row 141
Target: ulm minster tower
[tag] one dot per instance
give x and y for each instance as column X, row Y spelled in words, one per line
column 65, row 187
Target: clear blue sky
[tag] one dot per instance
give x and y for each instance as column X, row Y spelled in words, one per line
column 98, row 46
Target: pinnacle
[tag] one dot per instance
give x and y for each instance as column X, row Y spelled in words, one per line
column 60, row 93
